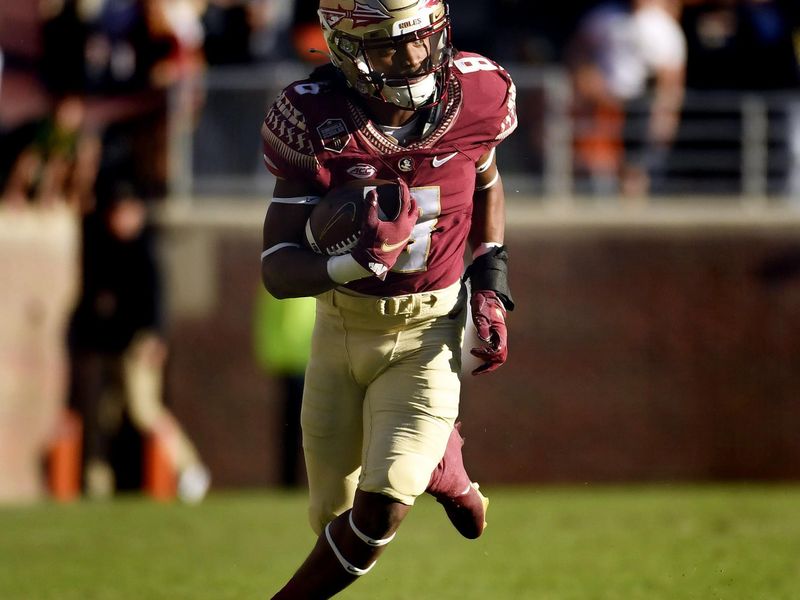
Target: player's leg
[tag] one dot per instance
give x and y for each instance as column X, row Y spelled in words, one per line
column 449, row 483
column 331, row 421
column 408, row 413
column 407, row 410
column 419, row 398
column 347, row 549
column 432, row 376
column 349, row 541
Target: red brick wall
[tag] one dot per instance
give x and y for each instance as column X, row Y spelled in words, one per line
column 633, row 357
column 644, row 359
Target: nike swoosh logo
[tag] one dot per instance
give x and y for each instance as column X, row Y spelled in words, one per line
column 438, row 162
column 346, row 211
column 387, row 247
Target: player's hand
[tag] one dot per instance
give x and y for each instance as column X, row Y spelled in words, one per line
column 489, row 316
column 381, row 242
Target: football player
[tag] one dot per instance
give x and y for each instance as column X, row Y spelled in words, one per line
column 396, row 102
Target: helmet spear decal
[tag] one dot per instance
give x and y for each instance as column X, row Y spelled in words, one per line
column 361, row 15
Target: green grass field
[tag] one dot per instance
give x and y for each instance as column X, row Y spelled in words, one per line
column 588, row 543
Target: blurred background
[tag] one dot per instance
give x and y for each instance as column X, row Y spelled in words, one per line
column 653, row 192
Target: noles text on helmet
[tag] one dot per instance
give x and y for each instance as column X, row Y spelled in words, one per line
column 363, row 36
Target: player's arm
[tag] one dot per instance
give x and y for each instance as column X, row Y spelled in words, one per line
column 288, row 268
column 490, row 294
column 488, row 205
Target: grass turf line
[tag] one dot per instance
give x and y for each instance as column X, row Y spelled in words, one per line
column 599, row 543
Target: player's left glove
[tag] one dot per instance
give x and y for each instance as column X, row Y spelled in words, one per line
column 489, row 317
column 488, row 276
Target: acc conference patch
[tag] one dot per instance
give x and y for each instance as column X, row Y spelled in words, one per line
column 362, row 171
column 334, row 135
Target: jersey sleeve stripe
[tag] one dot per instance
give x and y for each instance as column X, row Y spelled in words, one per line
column 286, row 137
column 305, row 162
column 309, row 200
column 488, row 163
column 509, row 124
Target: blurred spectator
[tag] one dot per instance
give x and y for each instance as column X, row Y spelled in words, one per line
column 470, row 22
column 133, row 59
column 530, row 32
column 20, row 35
column 227, row 33
column 99, row 47
column 750, row 46
column 309, row 43
column 25, row 101
column 60, row 164
column 243, row 36
column 246, row 31
column 282, row 340
column 627, row 61
column 270, row 21
column 117, row 344
column 740, row 45
column 176, row 27
column 119, row 46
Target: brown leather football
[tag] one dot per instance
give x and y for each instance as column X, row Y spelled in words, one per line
column 334, row 225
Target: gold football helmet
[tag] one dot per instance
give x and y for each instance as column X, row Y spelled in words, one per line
column 352, row 28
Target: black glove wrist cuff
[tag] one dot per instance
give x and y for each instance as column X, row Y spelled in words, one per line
column 490, row 272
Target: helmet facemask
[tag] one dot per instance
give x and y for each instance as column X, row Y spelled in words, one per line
column 422, row 89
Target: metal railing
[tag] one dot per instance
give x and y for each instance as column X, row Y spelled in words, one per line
column 743, row 147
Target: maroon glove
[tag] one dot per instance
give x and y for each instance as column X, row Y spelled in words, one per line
column 381, row 242
column 489, row 316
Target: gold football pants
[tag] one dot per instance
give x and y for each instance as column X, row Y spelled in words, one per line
column 381, row 395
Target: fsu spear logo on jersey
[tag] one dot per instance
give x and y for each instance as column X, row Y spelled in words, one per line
column 361, row 15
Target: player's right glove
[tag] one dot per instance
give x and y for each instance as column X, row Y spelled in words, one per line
column 381, row 242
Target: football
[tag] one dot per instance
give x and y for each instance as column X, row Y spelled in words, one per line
column 334, row 225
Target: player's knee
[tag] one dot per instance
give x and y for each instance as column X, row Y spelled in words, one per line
column 408, row 476
column 319, row 516
column 317, row 520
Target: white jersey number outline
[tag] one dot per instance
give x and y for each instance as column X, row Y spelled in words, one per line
column 415, row 257
column 472, row 64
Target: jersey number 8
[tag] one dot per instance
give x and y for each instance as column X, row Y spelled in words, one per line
column 472, row 64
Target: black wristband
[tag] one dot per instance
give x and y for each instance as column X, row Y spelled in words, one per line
column 490, row 272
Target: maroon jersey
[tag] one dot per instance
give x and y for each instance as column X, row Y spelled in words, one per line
column 317, row 132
